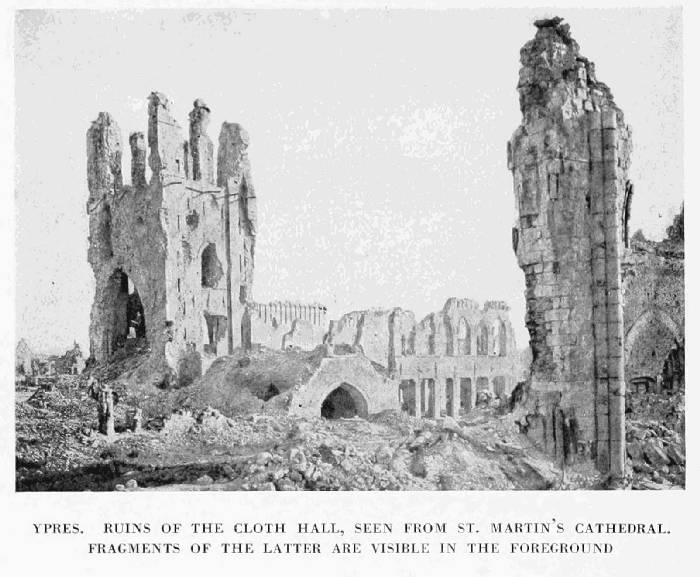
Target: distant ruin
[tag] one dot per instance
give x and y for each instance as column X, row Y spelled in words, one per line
column 173, row 255
column 444, row 360
column 569, row 159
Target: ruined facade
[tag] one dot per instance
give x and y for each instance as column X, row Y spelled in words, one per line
column 441, row 362
column 654, row 311
column 173, row 252
column 288, row 325
column 569, row 159
column 173, row 257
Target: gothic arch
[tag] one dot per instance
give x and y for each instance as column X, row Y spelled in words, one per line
column 344, row 400
column 648, row 343
column 645, row 319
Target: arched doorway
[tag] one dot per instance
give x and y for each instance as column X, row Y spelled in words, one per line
column 344, row 402
column 482, row 340
column 124, row 319
column 649, row 343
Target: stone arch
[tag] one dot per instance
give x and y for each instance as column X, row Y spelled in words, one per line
column 502, row 338
column 344, row 401
column 449, row 336
column 482, row 339
column 646, row 317
column 121, row 314
column 464, row 337
column 648, row 343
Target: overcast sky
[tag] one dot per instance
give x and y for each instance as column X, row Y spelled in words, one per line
column 378, row 142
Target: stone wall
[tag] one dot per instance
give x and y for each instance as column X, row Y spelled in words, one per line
column 284, row 324
column 452, row 352
column 176, row 247
column 654, row 310
column 569, row 160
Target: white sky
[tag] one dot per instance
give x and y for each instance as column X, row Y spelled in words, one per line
column 378, row 142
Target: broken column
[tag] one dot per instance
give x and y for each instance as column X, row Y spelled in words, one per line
column 234, row 174
column 104, row 160
column 201, row 146
column 569, row 159
column 167, row 153
column 137, row 143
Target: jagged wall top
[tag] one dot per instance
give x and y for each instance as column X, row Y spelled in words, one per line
column 168, row 151
column 554, row 75
column 104, row 148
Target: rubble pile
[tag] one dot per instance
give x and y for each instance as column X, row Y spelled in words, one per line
column 655, row 434
column 202, row 449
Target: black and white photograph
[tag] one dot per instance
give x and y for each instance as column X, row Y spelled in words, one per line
column 348, row 268
column 348, row 248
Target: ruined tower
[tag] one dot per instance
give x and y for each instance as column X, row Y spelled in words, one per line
column 172, row 253
column 569, row 159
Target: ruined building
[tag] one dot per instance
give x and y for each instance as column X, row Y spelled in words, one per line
column 654, row 311
column 441, row 362
column 173, row 257
column 173, row 252
column 569, row 158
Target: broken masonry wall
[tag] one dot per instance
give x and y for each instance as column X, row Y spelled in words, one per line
column 210, row 227
column 569, row 160
column 280, row 325
column 432, row 348
column 234, row 175
column 126, row 236
column 193, row 273
column 654, row 307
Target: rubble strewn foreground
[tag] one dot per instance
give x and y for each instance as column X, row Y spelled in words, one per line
column 59, row 448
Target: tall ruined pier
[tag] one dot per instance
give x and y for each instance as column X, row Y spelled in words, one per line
column 569, row 158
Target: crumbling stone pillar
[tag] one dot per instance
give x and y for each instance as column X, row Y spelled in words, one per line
column 167, row 155
column 137, row 143
column 569, row 159
column 201, row 146
column 104, row 159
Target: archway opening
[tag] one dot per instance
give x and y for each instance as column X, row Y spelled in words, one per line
column 464, row 338
column 652, row 349
column 126, row 327
column 502, row 339
column 344, row 402
column 482, row 340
